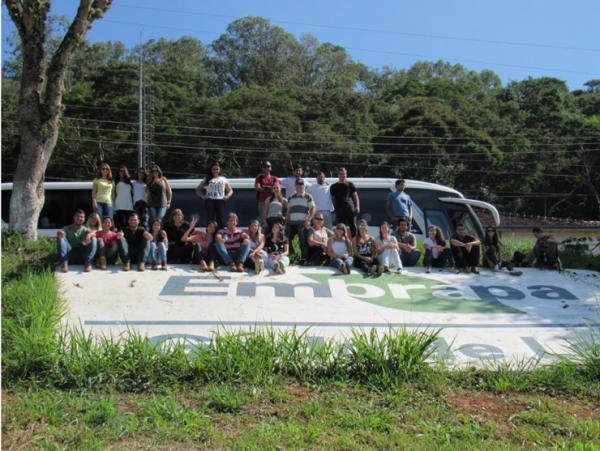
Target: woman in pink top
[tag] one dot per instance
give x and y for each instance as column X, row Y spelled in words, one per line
column 108, row 247
column 205, row 253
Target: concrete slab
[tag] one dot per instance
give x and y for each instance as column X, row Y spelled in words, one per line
column 491, row 316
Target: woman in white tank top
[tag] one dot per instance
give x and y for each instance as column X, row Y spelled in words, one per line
column 215, row 190
column 339, row 249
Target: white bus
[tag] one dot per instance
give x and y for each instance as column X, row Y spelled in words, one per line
column 433, row 203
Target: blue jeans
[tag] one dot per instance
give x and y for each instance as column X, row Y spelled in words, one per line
column 110, row 252
column 104, row 209
column 135, row 255
column 228, row 257
column 78, row 255
column 337, row 262
column 156, row 213
column 158, row 252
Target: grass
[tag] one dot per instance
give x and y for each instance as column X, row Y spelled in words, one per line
column 264, row 389
column 296, row 416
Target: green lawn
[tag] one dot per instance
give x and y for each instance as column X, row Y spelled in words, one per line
column 297, row 416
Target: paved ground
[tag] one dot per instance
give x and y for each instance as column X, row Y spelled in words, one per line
column 492, row 316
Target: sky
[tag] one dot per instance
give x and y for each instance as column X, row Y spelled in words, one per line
column 514, row 38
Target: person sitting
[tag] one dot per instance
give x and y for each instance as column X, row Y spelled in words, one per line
column 339, row 249
column 492, row 257
column 94, row 223
column 232, row 245
column 158, row 245
column 179, row 251
column 278, row 249
column 256, row 242
column 134, row 244
column 316, row 241
column 544, row 254
column 409, row 254
column 465, row 250
column 76, row 244
column 436, row 251
column 388, row 250
column 108, row 247
column 205, row 252
column 365, row 249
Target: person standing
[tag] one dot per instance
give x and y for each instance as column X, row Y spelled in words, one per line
column 124, row 198
column 345, row 201
column 408, row 244
column 215, row 190
column 134, row 244
column 159, row 194
column 103, row 192
column 321, row 194
column 76, row 244
column 140, row 205
column 264, row 184
column 399, row 204
column 288, row 184
column 275, row 209
column 301, row 208
column 465, row 250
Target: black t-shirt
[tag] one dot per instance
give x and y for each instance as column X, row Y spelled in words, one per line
column 341, row 194
column 135, row 239
column 174, row 233
column 366, row 248
column 465, row 239
column 275, row 247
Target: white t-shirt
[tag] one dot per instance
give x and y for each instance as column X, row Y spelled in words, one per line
column 289, row 184
column 321, row 196
column 215, row 189
column 124, row 200
column 139, row 190
column 429, row 243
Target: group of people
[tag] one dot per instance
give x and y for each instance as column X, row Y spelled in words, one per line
column 128, row 223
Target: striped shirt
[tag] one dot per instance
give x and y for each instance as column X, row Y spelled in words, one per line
column 233, row 238
column 299, row 206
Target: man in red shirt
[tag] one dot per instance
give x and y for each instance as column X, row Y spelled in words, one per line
column 264, row 189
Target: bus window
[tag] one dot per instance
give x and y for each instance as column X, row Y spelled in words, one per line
column 463, row 217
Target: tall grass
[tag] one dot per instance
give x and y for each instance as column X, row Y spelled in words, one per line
column 36, row 350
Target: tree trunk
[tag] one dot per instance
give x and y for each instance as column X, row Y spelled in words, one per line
column 27, row 199
column 42, row 86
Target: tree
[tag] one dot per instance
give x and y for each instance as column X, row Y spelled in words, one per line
column 40, row 105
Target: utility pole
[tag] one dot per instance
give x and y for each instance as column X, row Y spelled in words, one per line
column 141, row 156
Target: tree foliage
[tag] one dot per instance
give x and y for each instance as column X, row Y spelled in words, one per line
column 257, row 92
